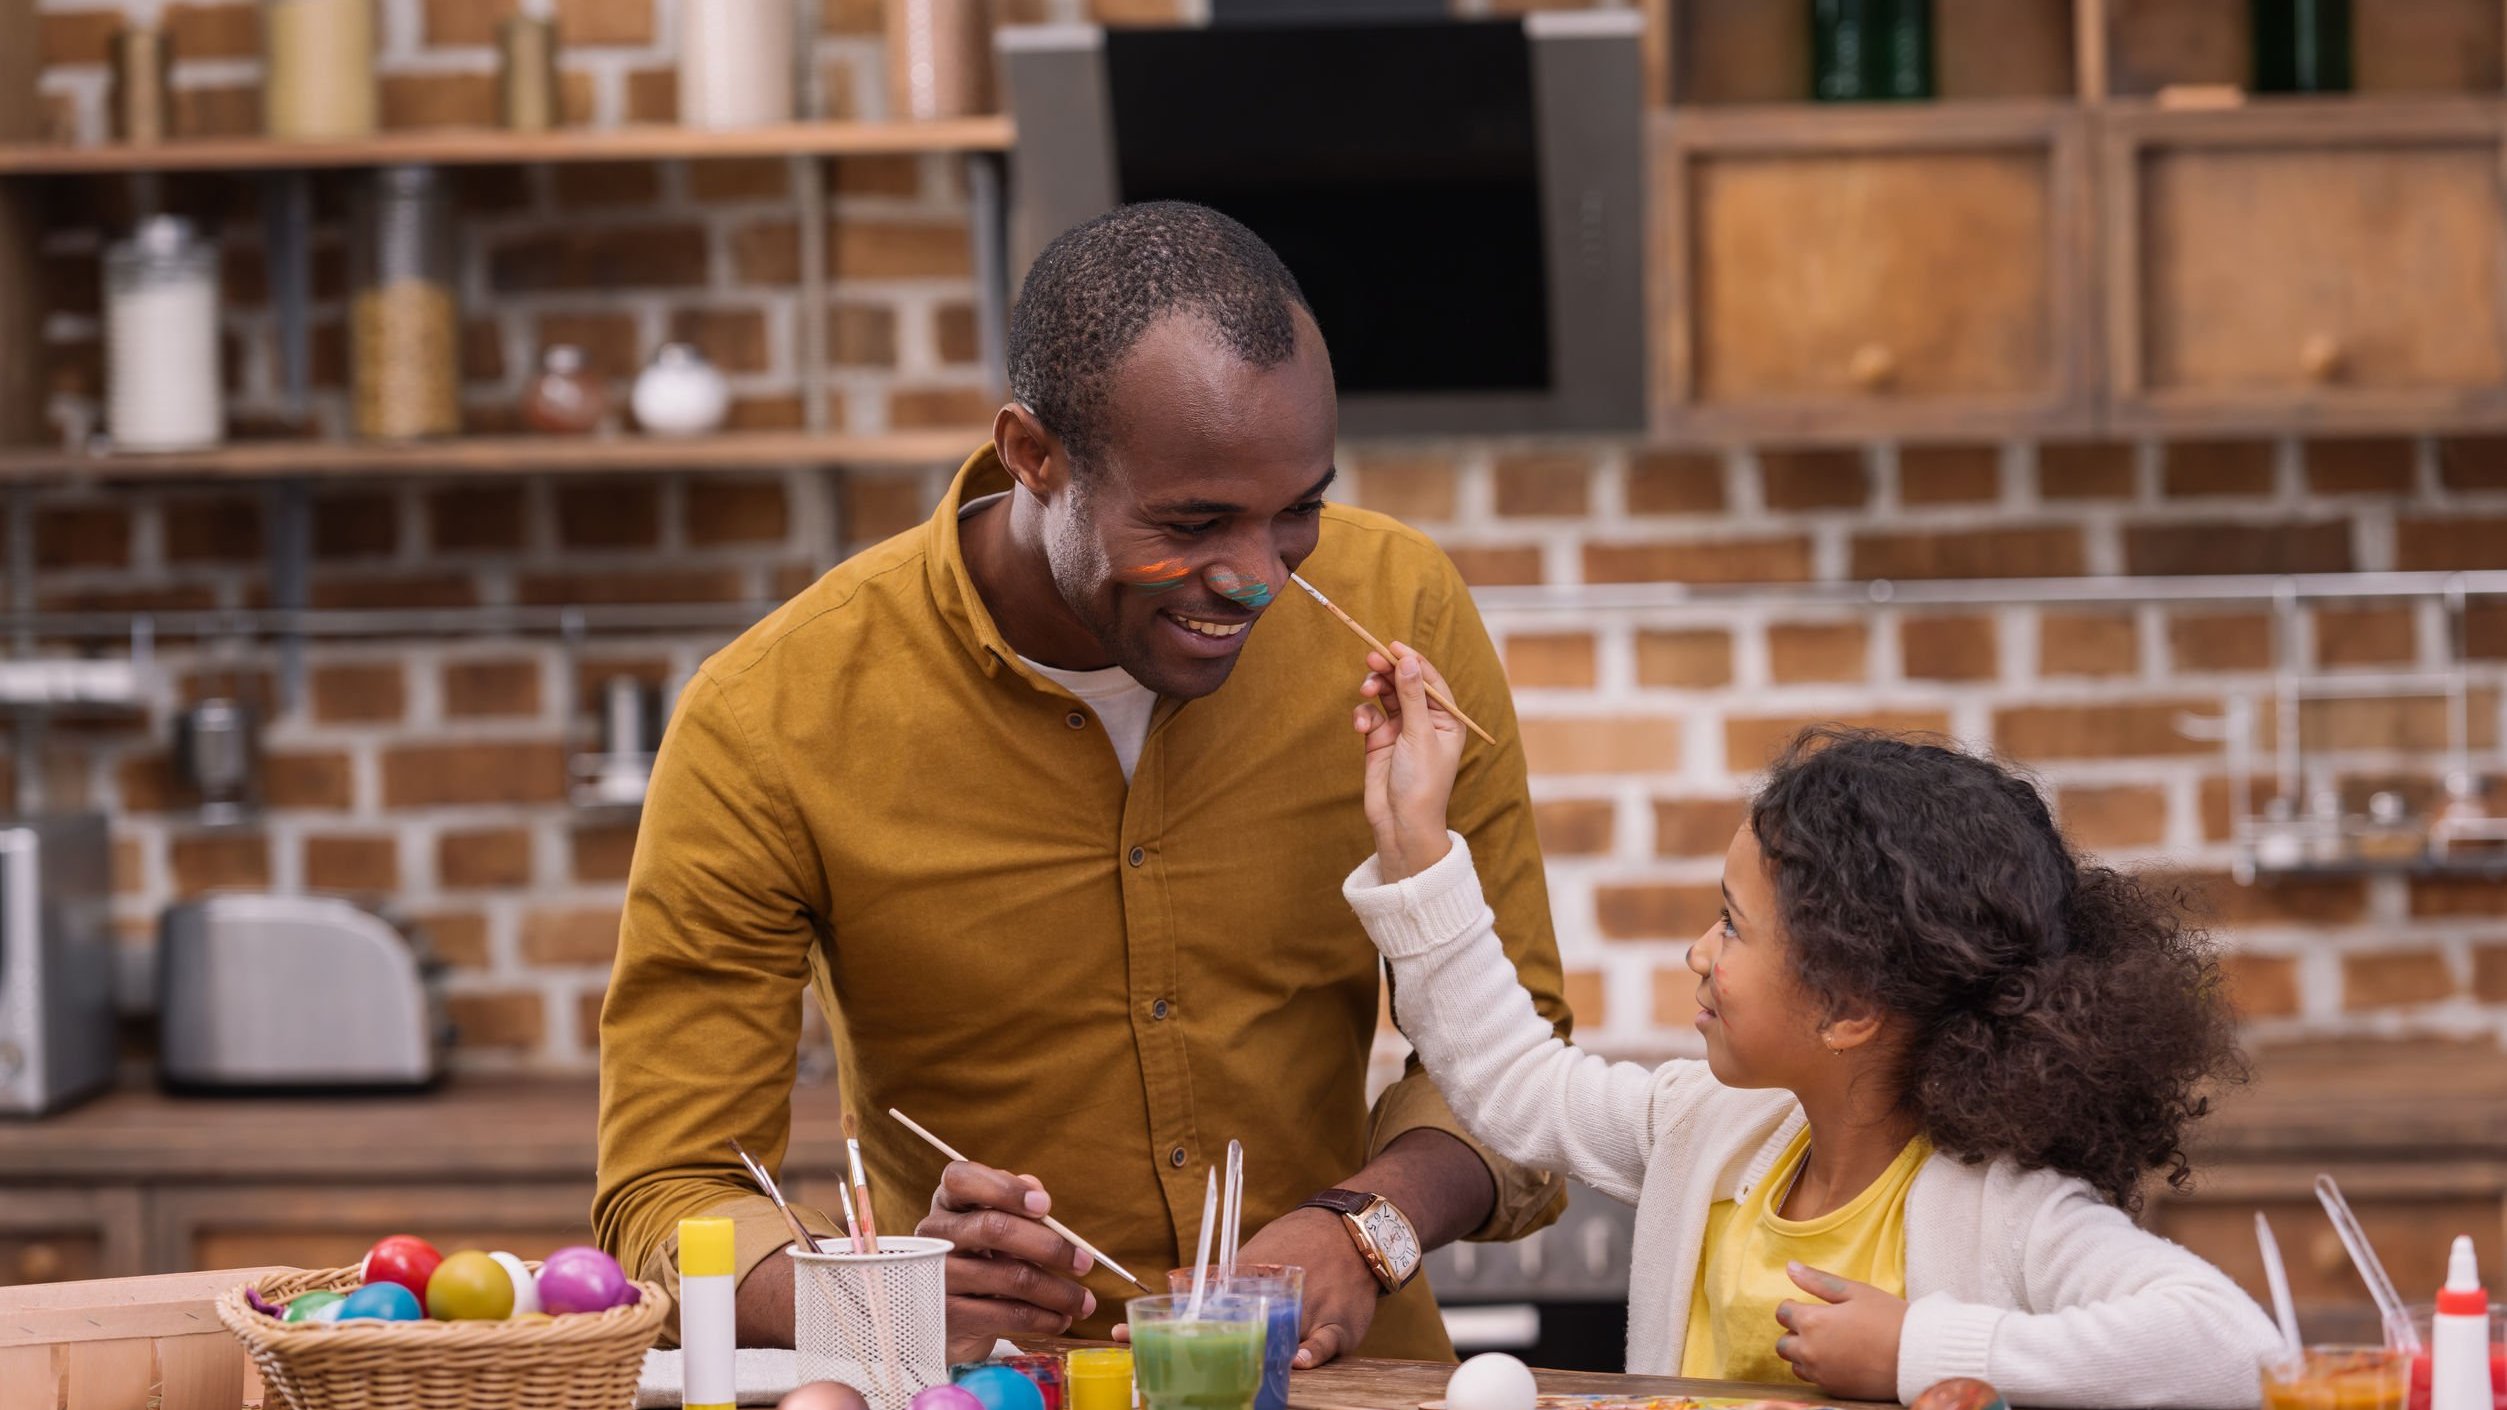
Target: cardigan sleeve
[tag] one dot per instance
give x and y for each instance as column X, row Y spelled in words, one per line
column 1531, row 1096
column 2112, row 1315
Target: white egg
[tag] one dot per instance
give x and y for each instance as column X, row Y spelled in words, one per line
column 1491, row 1380
column 526, row 1287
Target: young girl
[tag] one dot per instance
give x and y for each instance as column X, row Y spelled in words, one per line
column 1941, row 1053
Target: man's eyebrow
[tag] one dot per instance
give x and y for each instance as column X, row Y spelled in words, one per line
column 1220, row 508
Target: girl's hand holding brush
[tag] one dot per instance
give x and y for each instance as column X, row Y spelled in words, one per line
column 1414, row 748
column 1010, row 1276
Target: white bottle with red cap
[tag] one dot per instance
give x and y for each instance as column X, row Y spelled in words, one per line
column 2459, row 1357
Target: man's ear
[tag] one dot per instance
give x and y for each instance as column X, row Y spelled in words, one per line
column 1032, row 454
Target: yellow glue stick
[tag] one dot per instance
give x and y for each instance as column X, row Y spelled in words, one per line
column 707, row 1312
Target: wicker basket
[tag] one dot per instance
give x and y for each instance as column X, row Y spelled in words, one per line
column 587, row 1361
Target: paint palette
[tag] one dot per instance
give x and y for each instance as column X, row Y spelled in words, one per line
column 1643, row 1402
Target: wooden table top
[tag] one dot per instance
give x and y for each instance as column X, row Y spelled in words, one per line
column 1362, row 1383
column 2421, row 1101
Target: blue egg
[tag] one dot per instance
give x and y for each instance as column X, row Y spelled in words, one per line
column 1000, row 1388
column 389, row 1302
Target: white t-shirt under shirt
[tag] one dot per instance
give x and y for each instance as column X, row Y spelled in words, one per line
column 1123, row 705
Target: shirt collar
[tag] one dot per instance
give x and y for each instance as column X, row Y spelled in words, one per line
column 952, row 587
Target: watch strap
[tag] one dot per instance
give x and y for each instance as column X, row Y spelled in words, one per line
column 1349, row 1202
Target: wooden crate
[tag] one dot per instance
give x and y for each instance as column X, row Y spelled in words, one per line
column 125, row 1344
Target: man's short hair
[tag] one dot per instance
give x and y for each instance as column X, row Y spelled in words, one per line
column 1098, row 287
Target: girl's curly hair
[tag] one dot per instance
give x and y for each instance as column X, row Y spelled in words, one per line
column 2056, row 1013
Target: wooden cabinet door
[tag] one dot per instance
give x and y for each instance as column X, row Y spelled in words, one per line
column 2411, row 1213
column 327, row 1226
column 1865, row 271
column 2304, row 265
column 55, row 1235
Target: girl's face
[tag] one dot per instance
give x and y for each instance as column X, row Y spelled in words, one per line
column 1762, row 1029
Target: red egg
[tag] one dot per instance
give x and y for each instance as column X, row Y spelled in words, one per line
column 1959, row 1393
column 405, row 1259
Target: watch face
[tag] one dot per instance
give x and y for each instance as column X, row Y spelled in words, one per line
column 1393, row 1238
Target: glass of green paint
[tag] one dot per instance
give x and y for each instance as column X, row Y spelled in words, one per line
column 1209, row 1362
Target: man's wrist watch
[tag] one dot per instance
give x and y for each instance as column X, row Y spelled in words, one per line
column 1384, row 1238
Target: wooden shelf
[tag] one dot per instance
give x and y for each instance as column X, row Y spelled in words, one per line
column 501, row 455
column 490, row 147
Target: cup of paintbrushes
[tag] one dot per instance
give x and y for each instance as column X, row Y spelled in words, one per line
column 875, row 1321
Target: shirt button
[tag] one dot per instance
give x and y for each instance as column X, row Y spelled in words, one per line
column 1075, row 720
column 1158, row 1010
column 1138, row 856
column 1175, row 1157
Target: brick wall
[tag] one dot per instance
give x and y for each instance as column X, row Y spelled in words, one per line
column 432, row 771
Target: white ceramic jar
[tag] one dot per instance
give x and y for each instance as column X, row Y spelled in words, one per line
column 680, row 393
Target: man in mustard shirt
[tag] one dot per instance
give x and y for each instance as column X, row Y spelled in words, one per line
column 1050, row 800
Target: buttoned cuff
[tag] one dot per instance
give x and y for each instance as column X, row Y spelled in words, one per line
column 757, row 1234
column 1412, row 916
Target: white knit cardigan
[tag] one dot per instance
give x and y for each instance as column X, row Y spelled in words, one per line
column 2026, row 1279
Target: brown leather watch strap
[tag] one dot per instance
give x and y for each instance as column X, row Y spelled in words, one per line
column 1349, row 1202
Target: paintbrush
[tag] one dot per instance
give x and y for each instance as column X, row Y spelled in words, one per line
column 757, row 1172
column 1435, row 692
column 1048, row 1221
column 865, row 1226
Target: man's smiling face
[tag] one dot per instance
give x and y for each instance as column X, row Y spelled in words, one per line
column 1170, row 543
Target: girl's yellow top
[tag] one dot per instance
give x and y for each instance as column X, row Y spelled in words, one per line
column 1741, row 1270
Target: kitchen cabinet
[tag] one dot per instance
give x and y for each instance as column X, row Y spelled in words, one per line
column 2306, row 265
column 1849, row 272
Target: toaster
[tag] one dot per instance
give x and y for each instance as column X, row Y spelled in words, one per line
column 57, row 1023
column 295, row 993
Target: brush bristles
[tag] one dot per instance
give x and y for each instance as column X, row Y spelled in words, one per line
column 852, row 1127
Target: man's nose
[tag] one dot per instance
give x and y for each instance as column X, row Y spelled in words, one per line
column 1244, row 589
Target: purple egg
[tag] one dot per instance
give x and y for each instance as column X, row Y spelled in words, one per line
column 580, row 1279
column 945, row 1398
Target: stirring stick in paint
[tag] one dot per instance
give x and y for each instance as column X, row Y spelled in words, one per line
column 1436, row 693
column 2276, row 1274
column 2400, row 1335
column 1201, row 1255
column 1232, row 1208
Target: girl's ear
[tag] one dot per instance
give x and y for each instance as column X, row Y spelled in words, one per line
column 1850, row 1029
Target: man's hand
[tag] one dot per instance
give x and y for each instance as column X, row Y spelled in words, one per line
column 1847, row 1342
column 1341, row 1292
column 1009, row 1275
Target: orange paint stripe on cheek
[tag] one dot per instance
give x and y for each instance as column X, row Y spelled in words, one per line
column 1165, row 575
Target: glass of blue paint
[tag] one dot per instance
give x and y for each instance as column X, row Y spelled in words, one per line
column 1283, row 1287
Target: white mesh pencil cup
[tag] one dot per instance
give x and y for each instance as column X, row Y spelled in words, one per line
column 874, row 1321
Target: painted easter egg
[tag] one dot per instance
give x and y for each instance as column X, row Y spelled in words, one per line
column 581, row 1279
column 1000, row 1388
column 944, row 1398
column 386, row 1302
column 827, row 1395
column 303, row 1306
column 526, row 1286
column 405, row 1259
column 470, row 1287
column 1959, row 1393
column 1491, row 1380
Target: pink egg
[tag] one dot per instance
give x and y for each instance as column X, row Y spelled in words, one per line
column 945, row 1398
column 581, row 1279
column 826, row 1395
column 1960, row 1393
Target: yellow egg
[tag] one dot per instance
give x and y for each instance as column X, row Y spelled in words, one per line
column 469, row 1287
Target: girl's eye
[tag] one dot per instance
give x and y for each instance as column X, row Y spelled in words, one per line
column 1729, row 932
